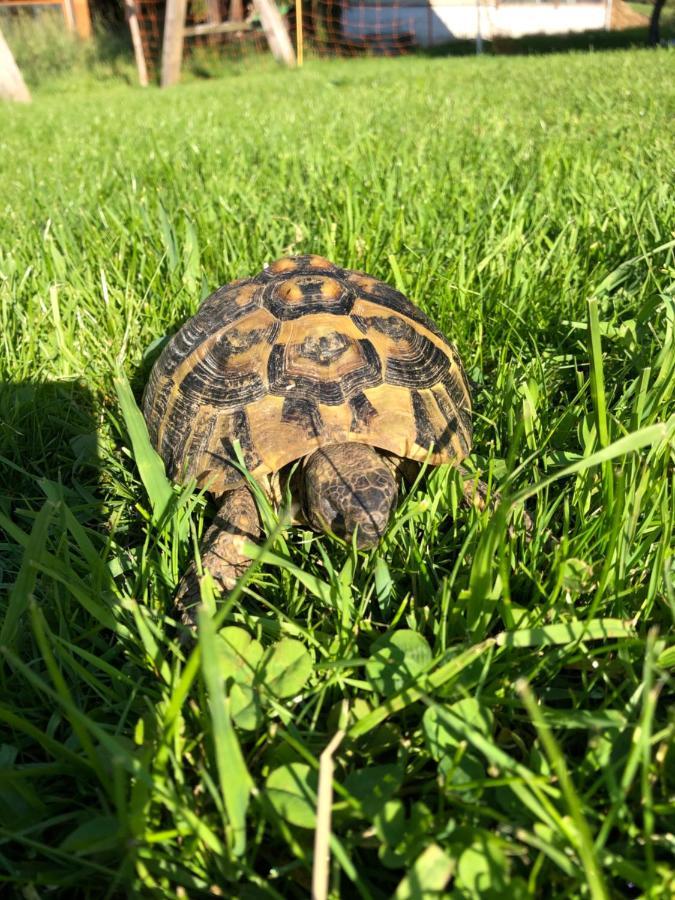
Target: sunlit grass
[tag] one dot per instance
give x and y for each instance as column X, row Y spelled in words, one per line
column 506, row 698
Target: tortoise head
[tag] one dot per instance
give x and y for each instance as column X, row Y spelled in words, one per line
column 348, row 488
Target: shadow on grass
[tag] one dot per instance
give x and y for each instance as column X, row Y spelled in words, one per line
column 64, row 691
column 48, row 432
column 48, row 452
column 630, row 38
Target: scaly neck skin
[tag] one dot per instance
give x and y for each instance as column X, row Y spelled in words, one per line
column 349, row 487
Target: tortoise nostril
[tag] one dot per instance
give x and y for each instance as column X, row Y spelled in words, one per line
column 338, row 524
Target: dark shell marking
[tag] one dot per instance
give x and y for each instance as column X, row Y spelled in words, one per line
column 363, row 412
column 304, row 413
column 302, row 356
column 287, row 374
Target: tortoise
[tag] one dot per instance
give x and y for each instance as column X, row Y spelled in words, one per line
column 309, row 364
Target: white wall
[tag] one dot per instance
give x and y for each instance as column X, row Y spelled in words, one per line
column 438, row 23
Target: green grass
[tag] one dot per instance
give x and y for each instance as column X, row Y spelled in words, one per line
column 667, row 15
column 645, row 9
column 49, row 56
column 505, row 700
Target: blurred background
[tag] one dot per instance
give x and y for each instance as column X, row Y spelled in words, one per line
column 52, row 37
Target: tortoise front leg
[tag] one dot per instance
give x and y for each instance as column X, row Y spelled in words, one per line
column 221, row 551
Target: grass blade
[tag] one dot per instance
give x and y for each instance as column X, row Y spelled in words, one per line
column 584, row 839
column 653, row 435
column 598, row 390
column 150, row 465
column 235, row 781
column 22, row 589
column 567, row 633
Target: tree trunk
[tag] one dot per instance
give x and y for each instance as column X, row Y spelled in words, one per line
column 12, row 85
column 654, row 27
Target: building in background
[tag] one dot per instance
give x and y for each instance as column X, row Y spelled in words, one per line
column 428, row 23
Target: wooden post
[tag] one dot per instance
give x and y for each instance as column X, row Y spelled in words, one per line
column 275, row 31
column 82, row 19
column 68, row 14
column 172, row 45
column 12, row 85
column 212, row 17
column 299, row 48
column 236, row 11
column 132, row 19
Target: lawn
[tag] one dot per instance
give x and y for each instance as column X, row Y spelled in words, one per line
column 504, row 697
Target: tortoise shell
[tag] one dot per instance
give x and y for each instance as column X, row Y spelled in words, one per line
column 304, row 355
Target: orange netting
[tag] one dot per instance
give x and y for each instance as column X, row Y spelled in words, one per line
column 343, row 28
column 151, row 23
